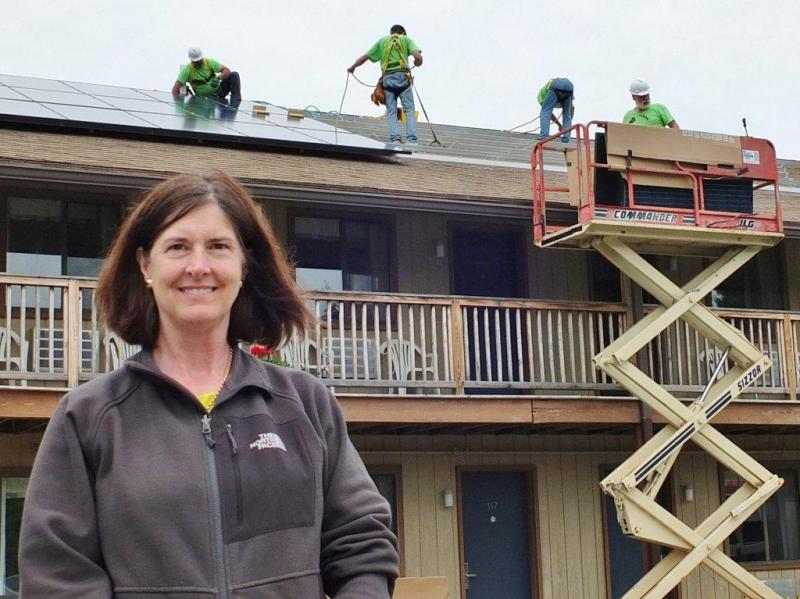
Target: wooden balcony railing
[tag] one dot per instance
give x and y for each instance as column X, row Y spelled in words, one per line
column 393, row 343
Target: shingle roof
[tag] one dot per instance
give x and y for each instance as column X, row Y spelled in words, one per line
column 461, row 142
column 487, row 144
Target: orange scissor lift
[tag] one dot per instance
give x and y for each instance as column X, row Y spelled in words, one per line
column 642, row 190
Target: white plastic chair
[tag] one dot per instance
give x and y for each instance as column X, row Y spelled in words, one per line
column 407, row 362
column 117, row 350
column 9, row 340
column 297, row 353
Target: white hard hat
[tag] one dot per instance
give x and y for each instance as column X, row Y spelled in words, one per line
column 195, row 54
column 640, row 87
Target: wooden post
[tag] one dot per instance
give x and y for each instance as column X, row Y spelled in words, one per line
column 634, row 312
column 789, row 356
column 459, row 359
column 72, row 333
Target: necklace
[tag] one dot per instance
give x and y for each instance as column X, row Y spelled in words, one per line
column 224, row 379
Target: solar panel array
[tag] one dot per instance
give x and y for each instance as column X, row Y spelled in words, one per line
column 123, row 109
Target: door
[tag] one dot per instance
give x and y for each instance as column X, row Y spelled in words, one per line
column 496, row 535
column 487, row 263
column 627, row 557
column 625, row 554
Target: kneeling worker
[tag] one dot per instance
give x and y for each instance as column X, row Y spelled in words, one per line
column 208, row 77
column 645, row 113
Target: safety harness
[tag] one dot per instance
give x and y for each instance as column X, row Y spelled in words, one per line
column 396, row 44
column 560, row 94
column 195, row 80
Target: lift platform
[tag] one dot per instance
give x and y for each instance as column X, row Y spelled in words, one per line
column 641, row 190
column 703, row 193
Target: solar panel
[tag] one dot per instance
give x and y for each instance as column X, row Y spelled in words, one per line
column 25, row 108
column 71, row 98
column 8, row 93
column 140, row 105
column 43, row 102
column 34, row 83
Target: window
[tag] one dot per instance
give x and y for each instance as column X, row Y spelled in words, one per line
column 90, row 231
column 772, row 533
column 335, row 254
column 387, row 486
column 757, row 285
column 605, row 279
column 12, row 495
column 387, row 479
column 55, row 237
column 34, row 237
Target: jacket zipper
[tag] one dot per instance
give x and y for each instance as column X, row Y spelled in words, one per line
column 237, row 475
column 216, row 510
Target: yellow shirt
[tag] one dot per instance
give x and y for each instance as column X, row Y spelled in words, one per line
column 207, row 400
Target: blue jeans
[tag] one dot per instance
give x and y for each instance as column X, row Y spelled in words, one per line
column 391, row 83
column 559, row 88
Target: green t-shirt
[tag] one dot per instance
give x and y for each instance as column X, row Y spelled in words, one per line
column 655, row 115
column 395, row 61
column 204, row 81
column 543, row 92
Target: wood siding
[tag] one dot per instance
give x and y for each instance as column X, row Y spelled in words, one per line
column 18, row 451
column 570, row 543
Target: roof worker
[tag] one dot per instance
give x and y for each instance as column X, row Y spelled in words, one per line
column 208, row 77
column 393, row 51
column 645, row 113
column 556, row 93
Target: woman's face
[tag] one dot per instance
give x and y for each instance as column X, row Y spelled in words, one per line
column 196, row 266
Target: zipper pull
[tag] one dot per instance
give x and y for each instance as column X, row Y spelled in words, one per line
column 207, row 431
column 234, row 444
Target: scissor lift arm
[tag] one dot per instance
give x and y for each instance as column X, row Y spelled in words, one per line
column 635, row 483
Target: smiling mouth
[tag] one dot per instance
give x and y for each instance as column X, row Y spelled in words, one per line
column 197, row 290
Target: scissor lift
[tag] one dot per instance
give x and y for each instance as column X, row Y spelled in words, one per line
column 622, row 230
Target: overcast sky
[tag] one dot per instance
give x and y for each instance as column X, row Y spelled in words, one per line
column 711, row 62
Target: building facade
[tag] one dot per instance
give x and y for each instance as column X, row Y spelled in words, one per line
column 460, row 353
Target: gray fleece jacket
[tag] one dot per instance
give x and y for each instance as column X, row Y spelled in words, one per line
column 136, row 494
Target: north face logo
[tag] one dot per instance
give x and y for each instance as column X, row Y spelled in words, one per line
column 268, row 441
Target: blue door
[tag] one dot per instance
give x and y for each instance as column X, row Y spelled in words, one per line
column 495, row 514
column 625, row 557
column 485, row 263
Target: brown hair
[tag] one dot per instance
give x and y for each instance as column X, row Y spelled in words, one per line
column 269, row 308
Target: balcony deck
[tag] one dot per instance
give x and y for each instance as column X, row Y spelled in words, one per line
column 418, row 360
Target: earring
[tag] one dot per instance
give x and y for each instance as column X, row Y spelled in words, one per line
column 148, row 282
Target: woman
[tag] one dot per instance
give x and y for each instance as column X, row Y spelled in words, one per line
column 194, row 470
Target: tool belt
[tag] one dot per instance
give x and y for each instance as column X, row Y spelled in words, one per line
column 378, row 96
